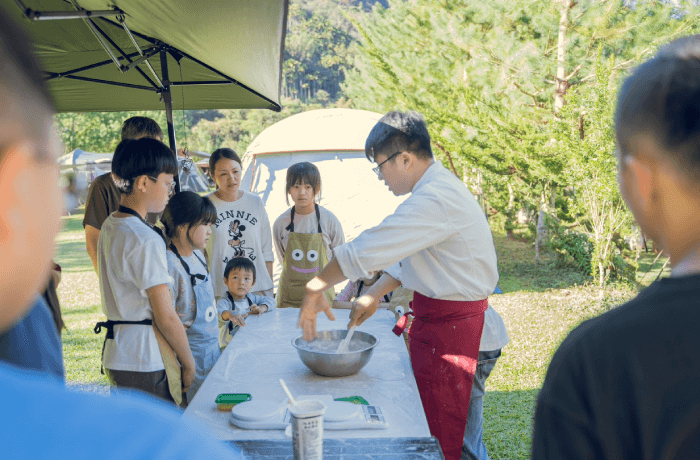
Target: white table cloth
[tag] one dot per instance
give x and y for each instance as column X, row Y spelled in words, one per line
column 261, row 353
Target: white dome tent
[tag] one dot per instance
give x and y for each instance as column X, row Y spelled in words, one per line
column 333, row 140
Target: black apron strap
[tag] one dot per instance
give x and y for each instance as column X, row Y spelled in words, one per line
column 109, row 325
column 359, row 289
column 318, row 217
column 195, row 277
column 233, row 305
column 126, row 210
column 290, row 227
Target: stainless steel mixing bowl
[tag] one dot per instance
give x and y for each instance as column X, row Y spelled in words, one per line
column 331, row 364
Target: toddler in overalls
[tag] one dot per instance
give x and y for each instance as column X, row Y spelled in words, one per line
column 239, row 302
column 304, row 235
column 187, row 223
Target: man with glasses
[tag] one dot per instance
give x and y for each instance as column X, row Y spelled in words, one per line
column 437, row 243
column 103, row 196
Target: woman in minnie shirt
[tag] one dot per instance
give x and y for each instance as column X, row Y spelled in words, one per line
column 242, row 228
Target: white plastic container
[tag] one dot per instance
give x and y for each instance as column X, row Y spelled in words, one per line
column 307, row 429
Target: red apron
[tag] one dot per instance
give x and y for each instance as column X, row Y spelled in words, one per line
column 444, row 347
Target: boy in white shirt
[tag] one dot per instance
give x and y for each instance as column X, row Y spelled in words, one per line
column 239, row 302
column 134, row 280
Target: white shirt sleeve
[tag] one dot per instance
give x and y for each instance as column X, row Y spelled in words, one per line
column 265, row 235
column 277, row 232
column 419, row 222
column 394, row 271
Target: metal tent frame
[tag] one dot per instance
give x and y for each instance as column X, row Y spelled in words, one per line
column 124, row 62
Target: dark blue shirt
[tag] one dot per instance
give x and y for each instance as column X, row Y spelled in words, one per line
column 33, row 343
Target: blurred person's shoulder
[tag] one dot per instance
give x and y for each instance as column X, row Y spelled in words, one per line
column 49, row 421
column 665, row 306
column 616, row 377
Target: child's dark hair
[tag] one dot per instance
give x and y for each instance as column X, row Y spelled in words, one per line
column 138, row 127
column 662, row 99
column 400, row 131
column 142, row 157
column 303, row 173
column 219, row 154
column 189, row 209
column 243, row 263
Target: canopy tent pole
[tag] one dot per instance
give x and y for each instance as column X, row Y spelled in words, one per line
column 168, row 100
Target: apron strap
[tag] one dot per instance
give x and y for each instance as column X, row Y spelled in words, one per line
column 109, row 325
column 195, row 277
column 233, row 304
column 130, row 211
column 290, row 227
column 386, row 297
column 402, row 323
column 359, row 289
column 318, row 217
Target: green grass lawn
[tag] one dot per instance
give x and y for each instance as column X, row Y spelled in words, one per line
column 541, row 304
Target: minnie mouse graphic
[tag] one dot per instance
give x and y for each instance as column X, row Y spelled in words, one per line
column 235, row 231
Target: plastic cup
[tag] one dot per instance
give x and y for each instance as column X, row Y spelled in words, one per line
column 307, row 429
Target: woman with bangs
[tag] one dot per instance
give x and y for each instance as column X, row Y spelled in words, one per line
column 241, row 229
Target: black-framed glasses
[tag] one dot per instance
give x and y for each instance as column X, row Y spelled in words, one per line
column 378, row 169
column 171, row 186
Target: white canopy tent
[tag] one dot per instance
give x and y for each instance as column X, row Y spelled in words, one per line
column 79, row 158
column 333, row 140
column 87, row 166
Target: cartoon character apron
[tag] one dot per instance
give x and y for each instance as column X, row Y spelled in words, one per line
column 203, row 335
column 173, row 371
column 444, row 348
column 304, row 258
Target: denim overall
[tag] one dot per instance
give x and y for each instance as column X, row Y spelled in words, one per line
column 203, row 335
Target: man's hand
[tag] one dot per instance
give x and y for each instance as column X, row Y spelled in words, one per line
column 312, row 304
column 362, row 308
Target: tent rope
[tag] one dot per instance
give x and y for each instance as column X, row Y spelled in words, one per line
column 187, row 164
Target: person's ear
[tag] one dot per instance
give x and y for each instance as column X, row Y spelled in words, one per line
column 406, row 160
column 640, row 173
column 140, row 183
column 15, row 170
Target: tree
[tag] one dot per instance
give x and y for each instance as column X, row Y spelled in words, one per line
column 316, row 55
column 492, row 77
column 585, row 135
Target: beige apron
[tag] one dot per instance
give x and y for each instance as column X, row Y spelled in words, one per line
column 304, row 258
column 173, row 371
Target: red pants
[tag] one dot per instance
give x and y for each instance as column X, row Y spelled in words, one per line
column 444, row 346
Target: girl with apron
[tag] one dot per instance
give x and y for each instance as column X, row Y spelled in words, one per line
column 187, row 220
column 203, row 333
column 303, row 255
